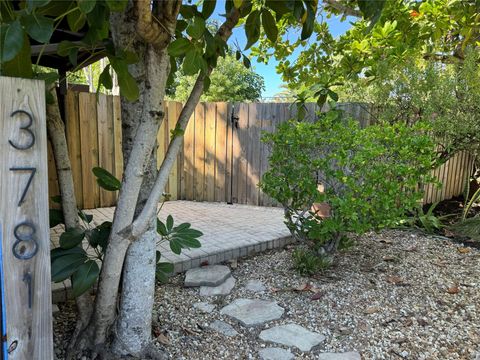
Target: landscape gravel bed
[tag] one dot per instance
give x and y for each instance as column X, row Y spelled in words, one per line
column 396, row 294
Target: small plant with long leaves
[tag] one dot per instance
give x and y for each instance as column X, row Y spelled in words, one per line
column 81, row 249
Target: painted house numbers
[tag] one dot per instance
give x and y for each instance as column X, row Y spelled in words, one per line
column 24, row 220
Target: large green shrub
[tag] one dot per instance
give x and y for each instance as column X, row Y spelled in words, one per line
column 371, row 176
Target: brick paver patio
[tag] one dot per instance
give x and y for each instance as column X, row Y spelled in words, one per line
column 229, row 231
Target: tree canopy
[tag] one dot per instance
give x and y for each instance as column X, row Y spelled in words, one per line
column 230, row 81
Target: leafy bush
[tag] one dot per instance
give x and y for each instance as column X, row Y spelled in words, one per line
column 72, row 260
column 371, row 176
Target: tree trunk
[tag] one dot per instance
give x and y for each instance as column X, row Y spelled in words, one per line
column 56, row 134
column 140, row 123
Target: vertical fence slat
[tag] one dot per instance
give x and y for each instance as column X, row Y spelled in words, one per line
column 199, row 176
column 89, row 147
column 189, row 158
column 221, row 152
column 117, row 139
column 242, row 153
column 229, row 155
column 73, row 143
column 173, row 177
column 253, row 156
column 180, row 174
column 210, row 158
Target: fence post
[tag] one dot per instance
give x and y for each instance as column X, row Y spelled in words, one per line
column 24, row 219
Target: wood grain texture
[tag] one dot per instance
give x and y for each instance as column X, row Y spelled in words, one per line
column 72, row 128
column 105, row 144
column 89, row 148
column 210, row 145
column 117, row 137
column 189, row 159
column 31, row 326
column 221, row 152
column 173, row 177
column 199, row 175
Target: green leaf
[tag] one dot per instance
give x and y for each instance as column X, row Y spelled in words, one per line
column 161, row 228
column 49, row 78
column 106, row 180
column 371, row 9
column 176, row 247
column 86, row 5
column 193, row 233
column 21, row 65
column 40, row 28
column 269, row 25
column 85, row 217
column 76, row 20
column 105, row 78
column 128, row 85
column 191, row 63
column 169, row 223
column 13, row 42
column 64, row 47
column 238, row 55
column 189, row 11
column 33, row 4
column 252, row 28
column 117, row 5
column 309, row 23
column 71, row 238
column 246, row 62
column 333, row 95
column 188, row 242
column 99, row 236
column 196, row 28
column 59, row 252
column 179, row 47
column 237, row 3
column 84, row 278
column 181, row 227
column 55, row 217
column 280, row 7
column 158, row 255
column 165, row 267
column 64, row 266
column 208, row 7
column 206, row 83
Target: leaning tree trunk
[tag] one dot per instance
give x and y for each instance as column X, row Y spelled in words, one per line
column 56, row 134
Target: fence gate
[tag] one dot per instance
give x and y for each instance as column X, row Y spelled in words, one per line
column 25, row 245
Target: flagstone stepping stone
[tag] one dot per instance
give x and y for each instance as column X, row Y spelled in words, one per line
column 223, row 328
column 353, row 355
column 253, row 312
column 222, row 289
column 292, row 335
column 275, row 354
column 212, row 275
column 255, row 286
column 204, row 307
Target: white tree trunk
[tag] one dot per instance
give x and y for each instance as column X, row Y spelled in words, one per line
column 56, row 134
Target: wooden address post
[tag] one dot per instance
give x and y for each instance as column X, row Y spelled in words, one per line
column 24, row 220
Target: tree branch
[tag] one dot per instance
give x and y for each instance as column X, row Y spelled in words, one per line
column 157, row 34
column 334, row 4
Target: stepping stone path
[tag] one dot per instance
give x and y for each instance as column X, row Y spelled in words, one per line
column 222, row 289
column 212, row 275
column 223, row 328
column 340, row 356
column 255, row 286
column 275, row 354
column 253, row 312
column 204, row 307
column 292, row 335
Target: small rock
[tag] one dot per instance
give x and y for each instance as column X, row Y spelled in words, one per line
column 212, row 275
column 204, row 307
column 292, row 335
column 223, row 328
column 222, row 289
column 275, row 354
column 353, row 355
column 253, row 312
column 255, row 286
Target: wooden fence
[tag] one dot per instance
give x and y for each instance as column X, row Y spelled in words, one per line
column 222, row 158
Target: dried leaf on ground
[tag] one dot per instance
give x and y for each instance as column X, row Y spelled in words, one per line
column 372, row 310
column 163, row 339
column 316, row 296
column 395, row 280
column 453, row 289
column 463, row 250
column 389, row 258
column 303, row 287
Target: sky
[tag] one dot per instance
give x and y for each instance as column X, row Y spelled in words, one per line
column 273, row 80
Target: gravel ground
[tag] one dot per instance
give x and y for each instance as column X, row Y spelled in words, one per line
column 393, row 295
